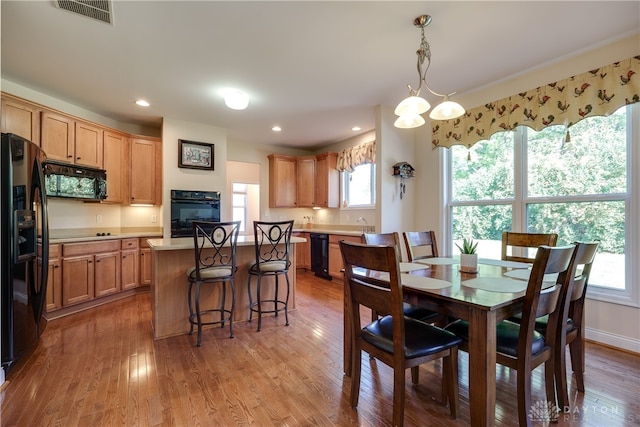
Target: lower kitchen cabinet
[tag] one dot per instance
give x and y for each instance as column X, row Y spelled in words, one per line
column 303, row 251
column 145, row 262
column 107, row 274
column 90, row 270
column 77, row 280
column 335, row 256
column 129, row 264
column 54, row 279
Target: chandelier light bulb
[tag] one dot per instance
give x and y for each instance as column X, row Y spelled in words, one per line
column 409, row 121
column 446, row 110
column 412, row 105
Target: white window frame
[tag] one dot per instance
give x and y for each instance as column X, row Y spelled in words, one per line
column 630, row 296
column 344, row 178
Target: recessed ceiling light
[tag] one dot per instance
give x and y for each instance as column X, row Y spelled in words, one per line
column 276, row 128
column 356, row 128
column 142, row 103
column 236, row 99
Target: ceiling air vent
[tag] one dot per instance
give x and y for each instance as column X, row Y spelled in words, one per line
column 100, row 10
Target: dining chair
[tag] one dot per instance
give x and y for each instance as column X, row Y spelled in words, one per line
column 512, row 242
column 272, row 247
column 401, row 344
column 420, row 244
column 393, row 239
column 518, row 345
column 214, row 247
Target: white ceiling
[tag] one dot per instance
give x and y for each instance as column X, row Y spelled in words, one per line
column 315, row 68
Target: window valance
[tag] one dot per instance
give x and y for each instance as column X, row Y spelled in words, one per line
column 598, row 92
column 357, row 155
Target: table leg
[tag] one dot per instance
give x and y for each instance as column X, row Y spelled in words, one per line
column 482, row 367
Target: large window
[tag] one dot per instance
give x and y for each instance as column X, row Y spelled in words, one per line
column 578, row 187
column 359, row 186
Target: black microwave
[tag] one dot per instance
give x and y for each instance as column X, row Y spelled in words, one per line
column 75, row 182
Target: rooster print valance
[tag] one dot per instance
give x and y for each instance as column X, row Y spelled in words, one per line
column 598, row 92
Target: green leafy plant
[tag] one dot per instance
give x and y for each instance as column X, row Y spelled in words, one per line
column 468, row 246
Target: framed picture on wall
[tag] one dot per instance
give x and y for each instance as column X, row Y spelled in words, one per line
column 195, row 155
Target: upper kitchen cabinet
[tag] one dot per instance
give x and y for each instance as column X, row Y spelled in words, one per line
column 116, row 163
column 67, row 140
column 282, row 181
column 146, row 171
column 21, row 118
column 327, row 182
column 306, row 182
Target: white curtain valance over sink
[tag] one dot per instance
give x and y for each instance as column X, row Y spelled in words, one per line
column 597, row 92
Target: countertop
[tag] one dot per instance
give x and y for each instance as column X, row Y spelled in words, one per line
column 328, row 231
column 187, row 243
column 71, row 237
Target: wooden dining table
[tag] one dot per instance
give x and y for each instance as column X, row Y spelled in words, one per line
column 472, row 302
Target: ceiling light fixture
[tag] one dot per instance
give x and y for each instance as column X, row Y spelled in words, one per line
column 276, row 128
column 142, row 103
column 356, row 128
column 236, row 99
column 410, row 109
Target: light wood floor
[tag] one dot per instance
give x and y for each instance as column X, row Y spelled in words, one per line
column 102, row 367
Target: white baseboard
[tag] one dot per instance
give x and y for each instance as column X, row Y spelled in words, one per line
column 613, row 340
column 1, row 377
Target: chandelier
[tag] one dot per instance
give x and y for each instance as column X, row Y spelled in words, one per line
column 410, row 109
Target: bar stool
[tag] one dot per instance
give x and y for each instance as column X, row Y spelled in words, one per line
column 272, row 244
column 214, row 245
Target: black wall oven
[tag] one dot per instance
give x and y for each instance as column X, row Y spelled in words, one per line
column 188, row 206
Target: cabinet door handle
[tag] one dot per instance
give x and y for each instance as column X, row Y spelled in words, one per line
column 78, row 158
column 56, row 266
column 96, row 260
column 124, row 256
column 69, row 156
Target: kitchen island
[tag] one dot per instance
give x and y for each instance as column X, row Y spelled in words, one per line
column 171, row 258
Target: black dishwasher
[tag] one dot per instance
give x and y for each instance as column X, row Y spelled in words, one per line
column 320, row 255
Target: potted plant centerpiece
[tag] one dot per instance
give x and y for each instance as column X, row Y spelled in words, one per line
column 468, row 256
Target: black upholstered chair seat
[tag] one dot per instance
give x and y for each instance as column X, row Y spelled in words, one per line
column 541, row 323
column 421, row 339
column 507, row 334
column 419, row 313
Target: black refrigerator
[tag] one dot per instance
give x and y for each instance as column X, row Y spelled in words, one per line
column 24, row 247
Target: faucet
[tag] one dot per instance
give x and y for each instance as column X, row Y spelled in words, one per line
column 365, row 228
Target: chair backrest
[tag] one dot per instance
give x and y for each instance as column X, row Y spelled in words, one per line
column 272, row 242
column 385, row 239
column 420, row 244
column 585, row 255
column 215, row 245
column 549, row 301
column 511, row 240
column 380, row 296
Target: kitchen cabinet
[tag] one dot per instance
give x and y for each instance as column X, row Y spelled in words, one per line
column 67, row 140
column 335, row 255
column 129, row 263
column 327, row 182
column 306, row 182
column 146, row 171
column 303, row 251
column 145, row 262
column 282, row 181
column 21, row 118
column 116, row 163
column 88, row 145
column 57, row 136
column 90, row 270
column 107, row 274
column 77, row 280
column 54, row 280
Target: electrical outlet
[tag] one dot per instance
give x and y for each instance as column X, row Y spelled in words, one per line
column 154, row 219
column 98, row 218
